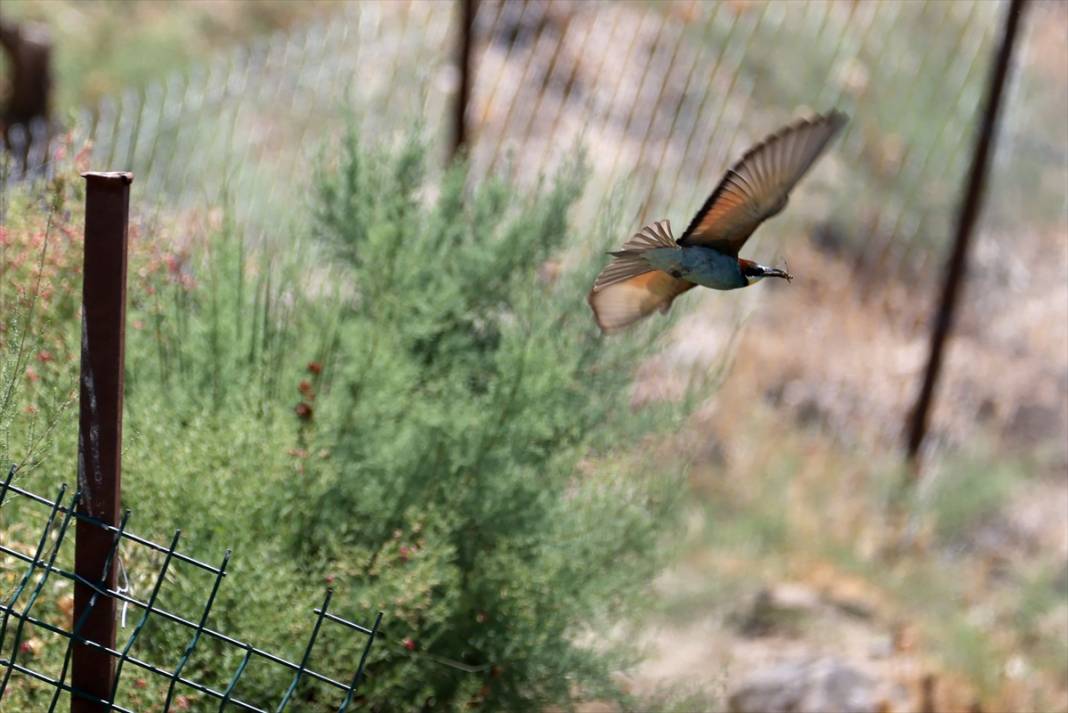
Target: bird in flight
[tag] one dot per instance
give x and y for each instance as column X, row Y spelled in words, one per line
column 653, row 268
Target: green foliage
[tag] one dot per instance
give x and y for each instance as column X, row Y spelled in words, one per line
column 969, row 492
column 468, row 398
column 102, row 49
column 40, row 264
column 411, row 408
column 1041, row 616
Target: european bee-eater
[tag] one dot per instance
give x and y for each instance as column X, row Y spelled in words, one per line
column 653, row 268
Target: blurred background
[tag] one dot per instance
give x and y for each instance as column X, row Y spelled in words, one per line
column 807, row 562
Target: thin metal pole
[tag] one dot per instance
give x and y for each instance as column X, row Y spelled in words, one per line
column 28, row 47
column 107, row 206
column 459, row 119
column 969, row 213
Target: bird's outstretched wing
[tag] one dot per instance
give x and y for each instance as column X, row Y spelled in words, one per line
column 758, row 185
column 623, row 302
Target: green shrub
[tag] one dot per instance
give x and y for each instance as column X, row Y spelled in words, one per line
column 968, row 493
column 414, row 406
column 468, row 489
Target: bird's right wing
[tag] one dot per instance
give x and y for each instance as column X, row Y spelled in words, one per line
column 622, row 303
column 758, row 185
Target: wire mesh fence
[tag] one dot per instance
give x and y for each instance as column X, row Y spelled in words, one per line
column 22, row 628
column 663, row 95
column 248, row 121
column 660, row 94
column 668, row 98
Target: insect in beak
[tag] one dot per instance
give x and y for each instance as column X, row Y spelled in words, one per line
column 776, row 272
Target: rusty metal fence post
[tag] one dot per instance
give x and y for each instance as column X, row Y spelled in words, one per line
column 463, row 95
column 956, row 265
column 107, row 205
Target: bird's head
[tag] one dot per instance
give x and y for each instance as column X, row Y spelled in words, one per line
column 755, row 272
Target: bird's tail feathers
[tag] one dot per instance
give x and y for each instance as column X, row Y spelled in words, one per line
column 629, row 261
column 622, row 268
column 656, row 235
column 629, row 288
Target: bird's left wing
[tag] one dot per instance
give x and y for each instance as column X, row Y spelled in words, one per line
column 758, row 185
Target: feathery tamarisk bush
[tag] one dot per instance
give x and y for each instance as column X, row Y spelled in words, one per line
column 408, row 407
column 477, row 486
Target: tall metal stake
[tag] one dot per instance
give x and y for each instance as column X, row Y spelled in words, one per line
column 107, row 206
column 463, row 60
column 969, row 213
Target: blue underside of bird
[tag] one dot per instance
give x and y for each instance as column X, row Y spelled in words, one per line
column 702, row 266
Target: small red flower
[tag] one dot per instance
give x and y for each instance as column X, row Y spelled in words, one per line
column 44, row 356
column 409, row 644
column 306, row 389
column 81, row 160
column 174, row 264
column 304, row 411
column 32, row 646
column 315, row 367
column 140, row 683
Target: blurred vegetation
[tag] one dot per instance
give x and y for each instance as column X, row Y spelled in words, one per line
column 935, row 569
column 403, row 406
column 101, row 52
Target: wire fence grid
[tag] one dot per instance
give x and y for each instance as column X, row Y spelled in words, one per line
column 46, row 559
column 661, row 95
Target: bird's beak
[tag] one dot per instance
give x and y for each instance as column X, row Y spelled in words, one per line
column 776, row 272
